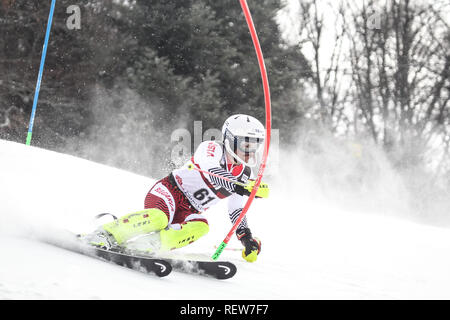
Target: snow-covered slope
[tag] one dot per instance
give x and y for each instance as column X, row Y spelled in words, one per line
column 310, row 251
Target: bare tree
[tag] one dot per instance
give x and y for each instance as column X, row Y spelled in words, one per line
column 400, row 71
column 328, row 70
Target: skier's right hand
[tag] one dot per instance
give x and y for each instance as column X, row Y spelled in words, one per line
column 252, row 246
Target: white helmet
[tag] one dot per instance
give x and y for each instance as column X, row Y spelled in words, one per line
column 244, row 133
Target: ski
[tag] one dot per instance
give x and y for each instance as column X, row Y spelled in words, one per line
column 157, row 266
column 193, row 264
column 145, row 264
column 216, row 269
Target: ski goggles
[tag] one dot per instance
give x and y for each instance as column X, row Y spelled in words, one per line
column 247, row 144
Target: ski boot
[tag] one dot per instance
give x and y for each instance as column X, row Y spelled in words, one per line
column 100, row 239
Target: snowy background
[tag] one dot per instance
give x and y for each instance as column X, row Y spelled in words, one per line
column 311, row 250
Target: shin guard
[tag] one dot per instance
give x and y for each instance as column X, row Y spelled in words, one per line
column 189, row 232
column 137, row 223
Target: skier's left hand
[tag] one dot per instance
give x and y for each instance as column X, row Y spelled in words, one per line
column 263, row 189
column 252, row 246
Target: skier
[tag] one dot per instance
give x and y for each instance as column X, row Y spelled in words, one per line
column 174, row 205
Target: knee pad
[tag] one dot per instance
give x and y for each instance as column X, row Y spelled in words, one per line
column 189, row 232
column 137, row 223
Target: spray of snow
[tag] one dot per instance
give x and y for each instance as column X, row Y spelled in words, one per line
column 318, row 241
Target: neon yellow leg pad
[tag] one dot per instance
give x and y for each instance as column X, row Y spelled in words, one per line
column 190, row 232
column 137, row 223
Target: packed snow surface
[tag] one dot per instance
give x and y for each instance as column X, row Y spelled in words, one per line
column 310, row 249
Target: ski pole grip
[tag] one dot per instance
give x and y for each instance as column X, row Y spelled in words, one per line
column 219, row 250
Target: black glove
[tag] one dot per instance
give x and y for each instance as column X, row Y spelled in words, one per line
column 263, row 190
column 252, row 246
column 240, row 190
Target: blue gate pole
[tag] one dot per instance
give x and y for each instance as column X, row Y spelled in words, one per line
column 41, row 71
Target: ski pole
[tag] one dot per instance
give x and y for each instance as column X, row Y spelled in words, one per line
column 41, row 71
column 192, row 167
column 229, row 249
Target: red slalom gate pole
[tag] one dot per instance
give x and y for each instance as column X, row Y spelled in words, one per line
column 265, row 82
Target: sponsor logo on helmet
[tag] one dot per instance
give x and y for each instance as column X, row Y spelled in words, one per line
column 210, row 149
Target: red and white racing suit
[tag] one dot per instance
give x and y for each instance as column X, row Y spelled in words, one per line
column 186, row 193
